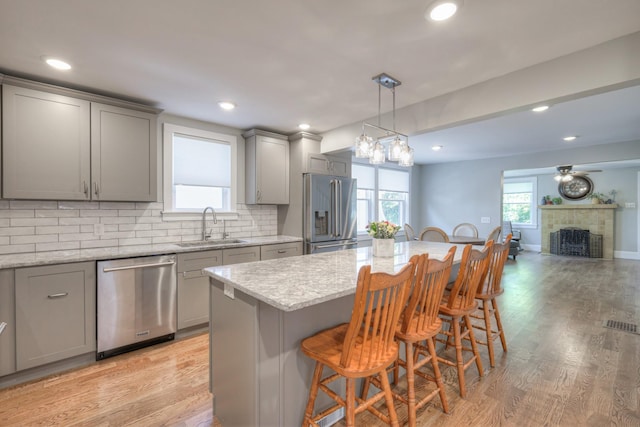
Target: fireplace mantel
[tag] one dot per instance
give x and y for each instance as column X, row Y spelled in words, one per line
column 580, row 206
column 597, row 218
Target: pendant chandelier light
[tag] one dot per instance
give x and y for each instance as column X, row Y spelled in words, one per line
column 397, row 149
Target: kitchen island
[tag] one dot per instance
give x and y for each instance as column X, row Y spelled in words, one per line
column 260, row 312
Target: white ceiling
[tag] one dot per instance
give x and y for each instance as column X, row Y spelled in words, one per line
column 288, row 61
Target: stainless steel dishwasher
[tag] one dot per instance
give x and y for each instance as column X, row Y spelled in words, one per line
column 136, row 303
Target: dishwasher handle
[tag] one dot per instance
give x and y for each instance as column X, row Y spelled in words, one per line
column 133, row 267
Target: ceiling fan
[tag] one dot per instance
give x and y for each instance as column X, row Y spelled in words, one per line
column 566, row 173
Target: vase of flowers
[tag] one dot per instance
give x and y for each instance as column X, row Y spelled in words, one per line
column 383, row 233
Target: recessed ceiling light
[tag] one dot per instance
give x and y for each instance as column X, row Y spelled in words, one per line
column 436, row 147
column 570, row 138
column 304, row 126
column 226, row 105
column 442, row 10
column 58, row 64
column 540, row 108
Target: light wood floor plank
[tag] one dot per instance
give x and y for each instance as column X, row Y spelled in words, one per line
column 562, row 369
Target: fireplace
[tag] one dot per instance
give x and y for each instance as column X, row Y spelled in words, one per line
column 576, row 242
column 598, row 219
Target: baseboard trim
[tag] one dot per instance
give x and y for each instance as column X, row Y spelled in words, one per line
column 626, row 255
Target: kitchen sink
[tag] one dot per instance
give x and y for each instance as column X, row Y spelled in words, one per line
column 206, row 243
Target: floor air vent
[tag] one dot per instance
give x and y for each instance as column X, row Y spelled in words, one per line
column 621, row 326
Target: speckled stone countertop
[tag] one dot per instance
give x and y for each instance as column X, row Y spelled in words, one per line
column 60, row 257
column 293, row 283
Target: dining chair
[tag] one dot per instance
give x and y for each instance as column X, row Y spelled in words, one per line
column 409, row 232
column 433, row 234
column 494, row 235
column 458, row 305
column 490, row 287
column 363, row 347
column 465, row 229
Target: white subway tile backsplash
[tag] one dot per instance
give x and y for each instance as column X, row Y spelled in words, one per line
column 49, row 213
column 44, row 238
column 57, row 229
column 88, row 244
column 58, row 246
column 36, row 226
column 29, row 222
column 17, row 213
column 17, row 231
column 32, row 204
column 17, row 249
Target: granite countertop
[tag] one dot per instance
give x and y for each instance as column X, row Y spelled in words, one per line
column 60, row 257
column 307, row 280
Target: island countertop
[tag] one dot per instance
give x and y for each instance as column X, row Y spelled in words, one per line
column 293, row 283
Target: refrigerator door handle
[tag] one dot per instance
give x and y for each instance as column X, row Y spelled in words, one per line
column 338, row 216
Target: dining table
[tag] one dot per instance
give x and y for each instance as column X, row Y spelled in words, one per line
column 467, row 240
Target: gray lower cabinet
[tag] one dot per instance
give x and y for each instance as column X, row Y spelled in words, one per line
column 55, row 313
column 280, row 250
column 238, row 255
column 7, row 315
column 193, row 287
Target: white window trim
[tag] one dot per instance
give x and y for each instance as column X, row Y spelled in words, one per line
column 534, row 199
column 167, row 169
column 363, row 235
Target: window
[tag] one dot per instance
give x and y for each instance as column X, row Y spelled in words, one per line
column 199, row 170
column 519, row 197
column 383, row 194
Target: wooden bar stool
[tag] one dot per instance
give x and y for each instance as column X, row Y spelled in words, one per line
column 420, row 323
column 363, row 347
column 489, row 289
column 457, row 306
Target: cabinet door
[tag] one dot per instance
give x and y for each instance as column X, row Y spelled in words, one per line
column 272, row 171
column 123, row 154
column 7, row 315
column 46, row 145
column 318, row 163
column 193, row 287
column 339, row 166
column 55, row 313
column 280, row 250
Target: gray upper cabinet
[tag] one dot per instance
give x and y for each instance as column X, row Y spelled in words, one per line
column 59, row 147
column 267, row 168
column 328, row 165
column 123, row 154
column 46, row 145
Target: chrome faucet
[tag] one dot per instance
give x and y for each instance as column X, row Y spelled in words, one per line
column 206, row 235
column 224, row 230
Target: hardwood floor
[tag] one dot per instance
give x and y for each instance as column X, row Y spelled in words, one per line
column 563, row 367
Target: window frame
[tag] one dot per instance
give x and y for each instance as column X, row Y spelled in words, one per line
column 534, row 199
column 169, row 130
column 376, row 192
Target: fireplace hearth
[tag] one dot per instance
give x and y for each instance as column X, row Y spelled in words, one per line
column 574, row 241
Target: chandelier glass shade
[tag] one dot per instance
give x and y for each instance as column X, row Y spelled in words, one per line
column 397, row 149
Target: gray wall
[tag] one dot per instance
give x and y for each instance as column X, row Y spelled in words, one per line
column 451, row 193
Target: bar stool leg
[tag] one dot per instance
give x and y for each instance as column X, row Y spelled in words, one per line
column 393, row 416
column 351, row 403
column 455, row 322
column 411, row 401
column 496, row 313
column 474, row 345
column 313, row 393
column 487, row 326
column 437, row 375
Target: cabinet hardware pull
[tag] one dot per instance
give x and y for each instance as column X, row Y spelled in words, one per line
column 86, row 188
column 96, row 188
column 259, row 196
column 282, row 251
column 133, row 267
column 60, row 295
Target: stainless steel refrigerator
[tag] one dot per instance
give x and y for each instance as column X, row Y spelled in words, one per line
column 329, row 222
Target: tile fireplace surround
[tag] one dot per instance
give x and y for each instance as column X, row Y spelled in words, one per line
column 597, row 218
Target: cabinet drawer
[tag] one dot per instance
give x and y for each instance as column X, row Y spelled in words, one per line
column 196, row 261
column 238, row 255
column 280, row 250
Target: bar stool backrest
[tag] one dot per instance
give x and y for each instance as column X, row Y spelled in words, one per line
column 473, row 267
column 491, row 282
